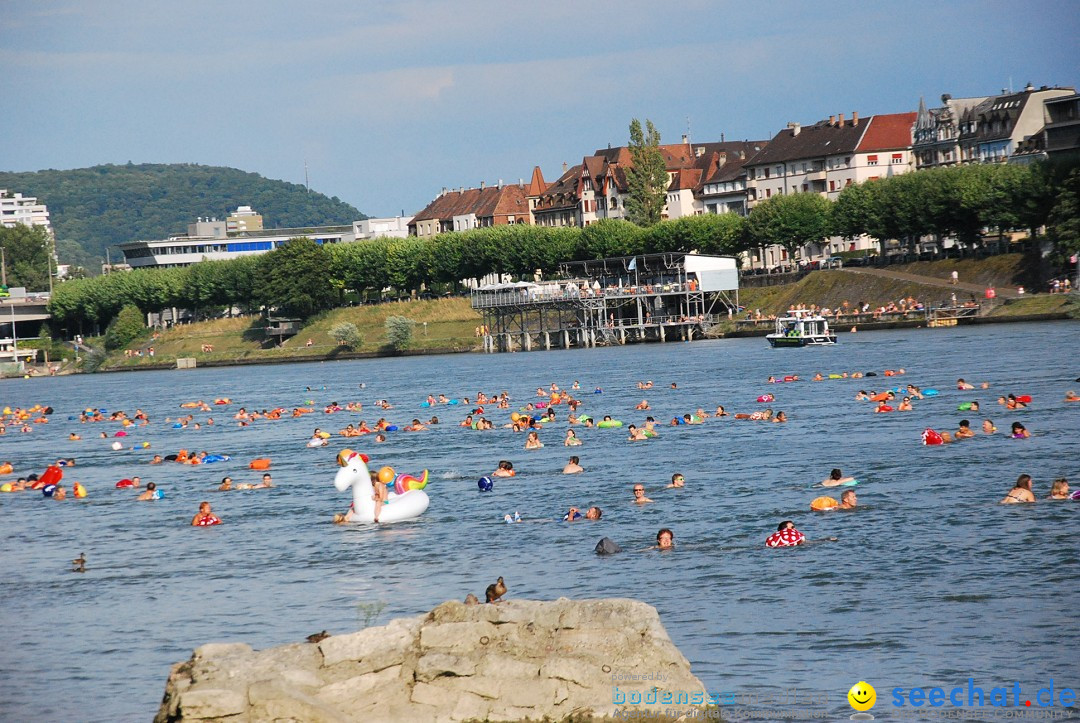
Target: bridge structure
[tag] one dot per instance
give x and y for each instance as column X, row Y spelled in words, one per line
column 651, row 297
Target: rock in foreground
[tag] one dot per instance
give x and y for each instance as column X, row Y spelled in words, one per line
column 514, row 660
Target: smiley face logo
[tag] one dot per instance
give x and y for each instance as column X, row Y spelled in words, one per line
column 862, row 696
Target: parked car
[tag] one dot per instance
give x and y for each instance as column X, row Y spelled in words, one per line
column 834, row 262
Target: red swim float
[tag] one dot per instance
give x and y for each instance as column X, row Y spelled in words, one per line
column 931, row 437
column 785, row 538
column 1024, row 399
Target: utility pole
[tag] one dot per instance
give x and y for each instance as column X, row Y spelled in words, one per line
column 3, row 267
column 307, row 184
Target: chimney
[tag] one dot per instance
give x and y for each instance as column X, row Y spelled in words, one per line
column 443, row 192
column 840, row 120
column 699, row 151
column 521, row 183
column 1029, row 87
column 721, row 137
column 564, row 166
column 854, row 117
column 482, row 184
column 832, row 121
column 795, row 128
column 461, row 189
column 685, row 139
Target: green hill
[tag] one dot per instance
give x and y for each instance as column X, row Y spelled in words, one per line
column 92, row 208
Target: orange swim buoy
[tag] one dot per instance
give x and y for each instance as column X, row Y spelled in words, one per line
column 260, row 463
column 820, row 504
column 890, row 373
column 880, row 397
column 6, row 469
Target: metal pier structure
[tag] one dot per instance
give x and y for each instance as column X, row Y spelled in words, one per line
column 652, row 297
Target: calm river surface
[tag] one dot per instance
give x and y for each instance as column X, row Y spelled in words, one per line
column 931, row 581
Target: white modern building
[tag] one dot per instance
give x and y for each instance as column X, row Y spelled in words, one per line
column 392, row 227
column 207, row 240
column 16, row 208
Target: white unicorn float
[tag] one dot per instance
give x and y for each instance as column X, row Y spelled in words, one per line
column 406, row 503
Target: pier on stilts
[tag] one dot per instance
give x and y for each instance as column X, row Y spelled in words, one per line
column 607, row 302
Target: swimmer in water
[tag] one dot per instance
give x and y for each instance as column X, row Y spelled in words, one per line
column 1070, row 396
column 965, row 431
column 642, row 405
column 226, row 484
column 848, row 500
column 533, row 441
column 505, row 469
column 721, row 412
column 1059, row 490
column 905, row 405
column 964, row 386
column 636, row 435
column 151, row 493
column 593, row 513
column 639, row 495
column 572, row 440
column 1021, row 491
column 665, row 539
column 573, row 466
column 988, row 427
column 205, row 516
column 1019, row 431
column 780, row 417
column 677, row 481
column 836, row 478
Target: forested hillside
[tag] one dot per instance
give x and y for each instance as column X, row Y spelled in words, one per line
column 104, row 205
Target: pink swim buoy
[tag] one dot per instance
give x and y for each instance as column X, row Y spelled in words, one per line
column 766, row 398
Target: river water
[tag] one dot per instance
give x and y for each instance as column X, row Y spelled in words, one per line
column 930, row 582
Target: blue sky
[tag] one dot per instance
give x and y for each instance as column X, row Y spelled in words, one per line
column 390, row 101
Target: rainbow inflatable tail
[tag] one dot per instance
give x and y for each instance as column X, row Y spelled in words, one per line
column 405, row 482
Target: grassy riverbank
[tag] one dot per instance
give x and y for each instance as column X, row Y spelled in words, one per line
column 443, row 325
column 448, row 325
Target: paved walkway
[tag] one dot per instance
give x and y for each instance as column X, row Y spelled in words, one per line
column 977, row 289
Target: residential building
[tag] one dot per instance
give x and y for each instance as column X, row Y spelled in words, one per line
column 392, row 227
column 723, row 188
column 995, row 129
column 598, row 187
column 936, row 136
column 1062, row 130
column 209, row 240
column 468, row 208
column 243, row 219
column 826, row 158
column 16, row 208
column 560, row 204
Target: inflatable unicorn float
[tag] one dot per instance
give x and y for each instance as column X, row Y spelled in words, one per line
column 406, row 498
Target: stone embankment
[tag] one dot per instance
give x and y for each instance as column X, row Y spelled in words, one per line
column 513, row 660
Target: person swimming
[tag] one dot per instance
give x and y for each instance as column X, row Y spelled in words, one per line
column 677, row 481
column 965, row 431
column 572, row 440
column 1021, row 491
column 639, row 495
column 988, row 427
column 573, row 466
column 1059, row 490
column 1019, row 431
column 665, row 539
column 836, row 478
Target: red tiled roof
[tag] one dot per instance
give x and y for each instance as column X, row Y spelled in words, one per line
column 483, row 202
column 562, row 193
column 537, row 184
column 887, row 132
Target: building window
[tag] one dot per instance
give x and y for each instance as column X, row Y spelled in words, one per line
column 898, row 158
column 832, row 185
column 805, row 187
column 871, row 160
column 766, row 173
column 768, row 193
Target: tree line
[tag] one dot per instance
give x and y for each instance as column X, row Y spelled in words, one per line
column 301, row 278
